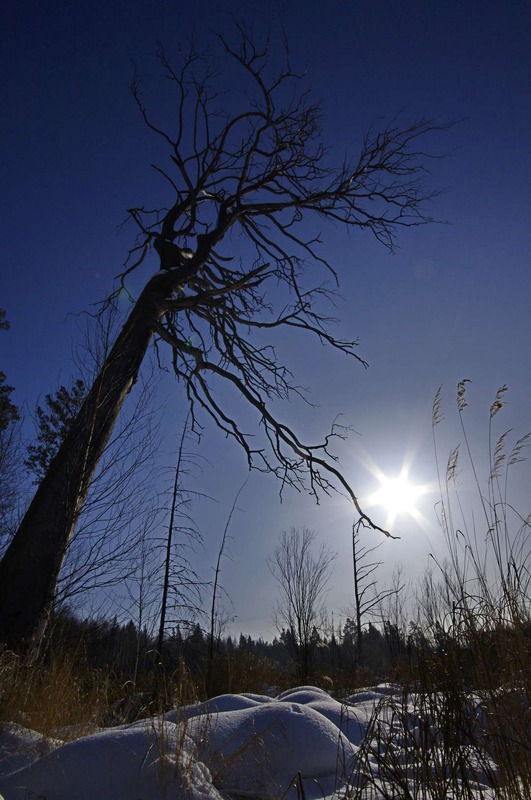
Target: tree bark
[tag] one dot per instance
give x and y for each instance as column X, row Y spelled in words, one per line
column 31, row 564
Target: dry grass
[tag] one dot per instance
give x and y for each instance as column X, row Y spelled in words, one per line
column 52, row 697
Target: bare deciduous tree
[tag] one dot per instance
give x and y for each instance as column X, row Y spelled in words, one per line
column 302, row 577
column 249, row 175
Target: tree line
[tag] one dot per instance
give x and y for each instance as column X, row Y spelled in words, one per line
column 242, row 663
column 121, row 648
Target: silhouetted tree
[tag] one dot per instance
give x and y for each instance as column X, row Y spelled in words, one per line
column 251, row 171
column 217, row 617
column 53, row 423
column 195, row 647
column 109, row 527
column 180, row 584
column 302, row 577
column 11, row 480
column 10, row 444
column 369, row 597
column 8, row 410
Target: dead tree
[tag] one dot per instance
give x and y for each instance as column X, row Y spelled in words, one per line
column 257, row 180
column 368, row 596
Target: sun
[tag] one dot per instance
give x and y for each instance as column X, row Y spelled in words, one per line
column 398, row 496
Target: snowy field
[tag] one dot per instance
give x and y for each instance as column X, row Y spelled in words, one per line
column 302, row 744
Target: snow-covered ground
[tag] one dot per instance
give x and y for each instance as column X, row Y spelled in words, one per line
column 302, row 744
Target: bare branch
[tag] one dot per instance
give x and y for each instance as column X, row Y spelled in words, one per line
column 263, row 172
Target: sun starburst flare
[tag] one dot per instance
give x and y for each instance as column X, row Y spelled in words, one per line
column 398, row 495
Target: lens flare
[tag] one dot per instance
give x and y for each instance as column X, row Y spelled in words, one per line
column 397, row 496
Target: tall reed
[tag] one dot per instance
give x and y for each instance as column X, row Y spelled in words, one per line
column 461, row 726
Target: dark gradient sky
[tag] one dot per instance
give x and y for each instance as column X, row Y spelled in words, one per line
column 453, row 302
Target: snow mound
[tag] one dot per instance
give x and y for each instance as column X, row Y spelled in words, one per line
column 301, row 744
column 351, row 722
column 368, row 695
column 20, row 746
column 225, row 702
column 308, row 691
column 261, row 750
column 260, row 698
column 305, row 694
column 240, row 743
column 143, row 760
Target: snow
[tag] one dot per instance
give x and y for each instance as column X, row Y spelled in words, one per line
column 217, row 705
column 259, row 750
column 244, row 744
column 20, row 747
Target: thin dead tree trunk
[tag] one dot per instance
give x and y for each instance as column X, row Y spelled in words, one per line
column 357, row 596
column 367, row 594
column 37, row 551
column 169, row 542
column 215, row 586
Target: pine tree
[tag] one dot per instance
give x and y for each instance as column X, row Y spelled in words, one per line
column 8, row 411
column 53, row 423
column 10, row 467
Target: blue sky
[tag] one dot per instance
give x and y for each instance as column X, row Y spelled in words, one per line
column 453, row 301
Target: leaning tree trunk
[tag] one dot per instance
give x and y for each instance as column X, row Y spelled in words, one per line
column 30, row 567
